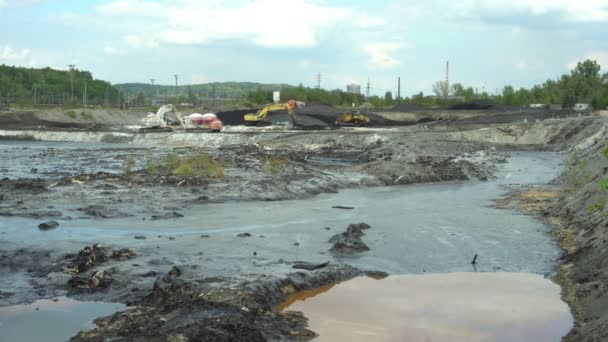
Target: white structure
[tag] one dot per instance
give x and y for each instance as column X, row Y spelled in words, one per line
column 537, row 105
column 353, row 89
column 276, row 96
column 581, row 107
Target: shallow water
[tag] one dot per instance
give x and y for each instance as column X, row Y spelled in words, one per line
column 36, row 159
column 476, row 307
column 48, row 320
column 415, row 229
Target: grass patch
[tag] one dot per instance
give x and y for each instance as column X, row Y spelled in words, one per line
column 86, row 116
column 275, row 164
column 577, row 172
column 71, row 114
column 151, row 167
column 201, row 165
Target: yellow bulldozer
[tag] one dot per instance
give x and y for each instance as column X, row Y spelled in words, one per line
column 353, row 119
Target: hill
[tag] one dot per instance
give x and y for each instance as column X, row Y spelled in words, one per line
column 226, row 90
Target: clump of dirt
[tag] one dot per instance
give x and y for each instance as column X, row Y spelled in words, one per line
column 179, row 309
column 350, row 241
column 529, row 200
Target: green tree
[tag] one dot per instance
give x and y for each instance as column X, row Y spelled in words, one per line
column 508, row 95
column 457, row 89
column 388, row 98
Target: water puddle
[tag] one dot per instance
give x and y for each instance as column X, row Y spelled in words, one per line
column 50, row 320
column 471, row 307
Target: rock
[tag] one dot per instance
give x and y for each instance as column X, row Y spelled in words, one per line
column 349, row 246
column 244, row 235
column 123, row 254
column 139, row 237
column 167, row 216
column 350, row 242
column 309, row 266
column 296, row 244
column 102, row 212
column 342, row 207
column 205, row 236
column 96, row 280
column 48, row 225
column 87, row 258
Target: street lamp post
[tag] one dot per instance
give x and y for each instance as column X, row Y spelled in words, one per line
column 72, row 67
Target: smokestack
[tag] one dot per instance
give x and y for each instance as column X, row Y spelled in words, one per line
column 398, row 88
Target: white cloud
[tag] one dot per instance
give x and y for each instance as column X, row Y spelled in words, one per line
column 380, row 54
column 269, row 23
column 8, row 54
column 23, row 57
column 137, row 8
column 522, row 65
column 305, row 64
column 3, row 4
column 567, row 10
column 139, row 41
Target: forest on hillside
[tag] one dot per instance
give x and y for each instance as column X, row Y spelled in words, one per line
column 46, row 86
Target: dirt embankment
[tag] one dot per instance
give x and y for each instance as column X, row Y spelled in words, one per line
column 582, row 214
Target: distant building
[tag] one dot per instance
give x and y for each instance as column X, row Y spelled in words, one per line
column 353, row 89
column 537, row 105
column 581, row 107
column 555, row 106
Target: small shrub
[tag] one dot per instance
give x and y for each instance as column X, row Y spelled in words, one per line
column 170, row 162
column 71, row 114
column 151, row 168
column 577, row 173
column 200, row 165
column 129, row 165
column 597, row 206
column 275, row 164
column 86, row 116
column 184, row 170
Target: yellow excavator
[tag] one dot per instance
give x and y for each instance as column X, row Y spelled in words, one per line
column 353, row 119
column 259, row 118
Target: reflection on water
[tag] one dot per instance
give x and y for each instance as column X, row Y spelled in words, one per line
column 50, row 320
column 440, row 307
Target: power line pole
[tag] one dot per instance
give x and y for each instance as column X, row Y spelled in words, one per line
column 367, row 89
column 318, row 80
column 398, row 88
column 43, row 91
column 72, row 67
column 447, row 79
column 152, row 94
column 175, row 84
column 84, row 94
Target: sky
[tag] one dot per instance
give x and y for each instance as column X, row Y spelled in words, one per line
column 488, row 43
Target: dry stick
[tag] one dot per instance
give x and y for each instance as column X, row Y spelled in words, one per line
column 474, row 262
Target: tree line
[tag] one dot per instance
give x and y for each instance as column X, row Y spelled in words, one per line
column 584, row 84
column 50, row 87
column 336, row 97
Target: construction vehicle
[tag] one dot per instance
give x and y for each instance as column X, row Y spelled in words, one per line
column 353, row 119
column 157, row 122
column 259, row 118
column 160, row 122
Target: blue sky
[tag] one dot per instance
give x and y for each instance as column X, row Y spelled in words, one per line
column 488, row 43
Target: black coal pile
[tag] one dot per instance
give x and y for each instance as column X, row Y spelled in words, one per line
column 473, row 105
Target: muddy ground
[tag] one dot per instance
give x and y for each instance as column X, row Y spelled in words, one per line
column 173, row 300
